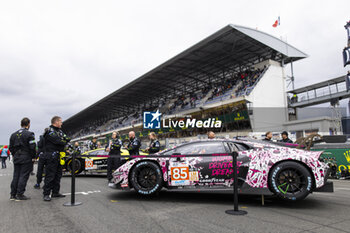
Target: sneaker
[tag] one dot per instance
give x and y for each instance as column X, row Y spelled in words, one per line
column 22, row 197
column 37, row 186
column 13, row 198
column 58, row 195
column 47, row 198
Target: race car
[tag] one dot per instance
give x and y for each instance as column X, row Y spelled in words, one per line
column 263, row 168
column 94, row 161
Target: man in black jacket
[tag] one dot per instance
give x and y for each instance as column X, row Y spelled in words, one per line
column 134, row 144
column 93, row 144
column 23, row 149
column 285, row 137
column 113, row 160
column 55, row 142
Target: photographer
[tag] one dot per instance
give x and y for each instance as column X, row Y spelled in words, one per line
column 55, row 142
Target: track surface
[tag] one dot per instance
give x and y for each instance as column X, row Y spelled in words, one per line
column 107, row 210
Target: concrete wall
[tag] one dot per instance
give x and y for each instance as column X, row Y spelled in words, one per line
column 268, row 100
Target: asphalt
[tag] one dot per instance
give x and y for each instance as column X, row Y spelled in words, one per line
column 108, row 210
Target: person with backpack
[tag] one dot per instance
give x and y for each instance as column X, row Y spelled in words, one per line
column 4, row 153
column 23, row 148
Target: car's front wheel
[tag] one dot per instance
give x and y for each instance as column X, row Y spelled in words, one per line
column 146, row 178
column 290, row 181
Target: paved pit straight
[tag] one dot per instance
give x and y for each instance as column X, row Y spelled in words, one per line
column 107, row 210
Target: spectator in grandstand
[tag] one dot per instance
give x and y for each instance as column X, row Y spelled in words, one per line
column 93, row 144
column 99, row 145
column 285, row 138
column 154, row 145
column 211, row 135
column 4, row 153
column 268, row 136
column 134, row 144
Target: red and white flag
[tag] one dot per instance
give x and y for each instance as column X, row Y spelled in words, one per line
column 277, row 22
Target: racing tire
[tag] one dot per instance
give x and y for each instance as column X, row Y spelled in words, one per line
column 146, row 178
column 290, row 181
column 78, row 166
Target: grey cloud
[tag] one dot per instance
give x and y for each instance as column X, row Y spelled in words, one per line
column 57, row 58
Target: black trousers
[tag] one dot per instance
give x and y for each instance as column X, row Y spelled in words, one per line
column 40, row 170
column 3, row 162
column 21, row 174
column 53, row 173
column 113, row 163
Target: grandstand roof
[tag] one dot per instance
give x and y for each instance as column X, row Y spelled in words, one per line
column 228, row 50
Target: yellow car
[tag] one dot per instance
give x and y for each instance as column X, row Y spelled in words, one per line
column 94, row 161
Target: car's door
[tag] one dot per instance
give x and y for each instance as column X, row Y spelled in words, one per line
column 242, row 159
column 191, row 164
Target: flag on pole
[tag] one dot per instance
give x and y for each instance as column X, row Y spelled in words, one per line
column 277, row 22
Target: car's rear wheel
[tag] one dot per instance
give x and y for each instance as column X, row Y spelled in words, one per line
column 146, row 178
column 290, row 181
column 78, row 166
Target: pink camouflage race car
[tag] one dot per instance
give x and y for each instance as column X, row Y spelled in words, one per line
column 263, row 168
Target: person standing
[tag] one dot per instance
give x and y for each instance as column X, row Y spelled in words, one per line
column 154, row 145
column 113, row 160
column 76, row 148
column 23, row 149
column 41, row 160
column 285, row 137
column 55, row 141
column 134, row 144
column 268, row 136
column 93, row 144
column 4, row 153
column 211, row 135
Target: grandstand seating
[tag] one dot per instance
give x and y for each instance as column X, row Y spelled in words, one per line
column 241, row 84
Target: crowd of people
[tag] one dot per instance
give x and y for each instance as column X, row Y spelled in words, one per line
column 197, row 97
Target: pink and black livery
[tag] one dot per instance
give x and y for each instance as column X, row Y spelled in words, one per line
column 263, row 168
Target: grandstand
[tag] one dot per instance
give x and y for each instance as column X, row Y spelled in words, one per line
column 224, row 76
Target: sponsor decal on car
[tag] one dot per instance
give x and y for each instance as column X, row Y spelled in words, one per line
column 89, row 164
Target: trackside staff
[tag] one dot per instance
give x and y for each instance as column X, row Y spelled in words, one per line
column 41, row 161
column 134, row 144
column 211, row 135
column 93, row 144
column 113, row 160
column 154, row 145
column 55, row 141
column 23, row 149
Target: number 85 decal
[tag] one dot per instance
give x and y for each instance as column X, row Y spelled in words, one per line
column 179, row 173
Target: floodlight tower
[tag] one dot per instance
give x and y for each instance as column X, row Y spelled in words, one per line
column 346, row 58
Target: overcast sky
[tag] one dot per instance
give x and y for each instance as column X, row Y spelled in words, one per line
column 58, row 57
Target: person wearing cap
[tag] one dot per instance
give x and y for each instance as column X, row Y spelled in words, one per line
column 285, row 138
